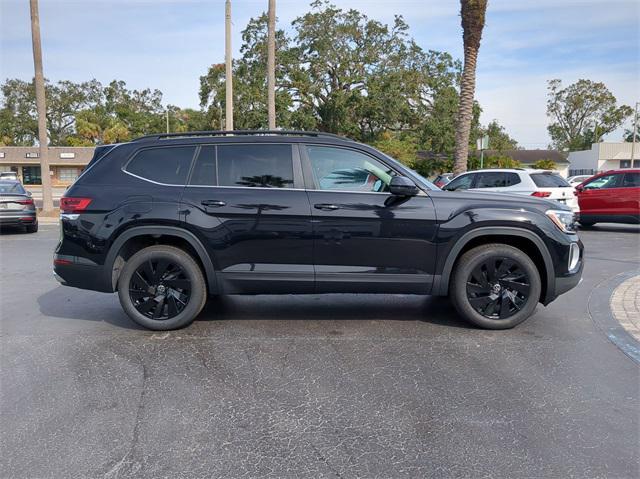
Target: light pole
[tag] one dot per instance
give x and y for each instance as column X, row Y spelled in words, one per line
column 47, row 198
column 635, row 131
column 228, row 66
column 271, row 65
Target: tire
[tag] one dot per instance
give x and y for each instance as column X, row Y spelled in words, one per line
column 32, row 228
column 163, row 275
column 474, row 292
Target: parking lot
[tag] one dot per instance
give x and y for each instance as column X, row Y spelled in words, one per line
column 312, row 386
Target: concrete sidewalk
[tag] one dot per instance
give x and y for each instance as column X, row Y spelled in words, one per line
column 625, row 305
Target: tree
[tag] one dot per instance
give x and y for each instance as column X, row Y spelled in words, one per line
column 499, row 139
column 340, row 72
column 582, row 113
column 38, row 82
column 545, row 164
column 473, row 15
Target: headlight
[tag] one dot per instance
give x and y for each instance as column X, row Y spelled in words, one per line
column 565, row 220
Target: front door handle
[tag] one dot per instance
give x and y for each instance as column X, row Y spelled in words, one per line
column 326, row 207
column 213, row 203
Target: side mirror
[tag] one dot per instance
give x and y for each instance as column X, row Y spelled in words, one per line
column 579, row 188
column 403, row 186
column 29, row 194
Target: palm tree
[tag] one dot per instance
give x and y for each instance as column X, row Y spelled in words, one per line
column 47, row 197
column 472, row 12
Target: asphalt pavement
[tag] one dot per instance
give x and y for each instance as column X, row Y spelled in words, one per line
column 311, row 386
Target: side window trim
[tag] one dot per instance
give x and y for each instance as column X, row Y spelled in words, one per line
column 309, row 179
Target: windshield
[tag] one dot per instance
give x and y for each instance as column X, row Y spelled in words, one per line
column 12, row 188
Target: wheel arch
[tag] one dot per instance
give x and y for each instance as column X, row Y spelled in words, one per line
column 524, row 240
column 137, row 237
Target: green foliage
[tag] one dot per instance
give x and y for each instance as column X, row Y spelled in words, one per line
column 582, row 113
column 79, row 114
column 340, row 72
column 499, row 139
column 494, row 161
column 545, row 164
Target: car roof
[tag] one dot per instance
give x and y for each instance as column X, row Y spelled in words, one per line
column 620, row 170
column 248, row 136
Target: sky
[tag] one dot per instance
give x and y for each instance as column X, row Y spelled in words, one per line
column 169, row 44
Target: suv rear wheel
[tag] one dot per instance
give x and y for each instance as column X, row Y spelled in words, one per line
column 495, row 286
column 161, row 288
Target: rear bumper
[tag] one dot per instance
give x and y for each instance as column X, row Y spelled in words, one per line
column 18, row 219
column 79, row 273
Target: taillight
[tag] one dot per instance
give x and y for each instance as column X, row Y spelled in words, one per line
column 541, row 194
column 74, row 205
column 28, row 201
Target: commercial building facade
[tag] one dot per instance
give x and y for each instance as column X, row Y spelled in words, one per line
column 65, row 163
column 603, row 157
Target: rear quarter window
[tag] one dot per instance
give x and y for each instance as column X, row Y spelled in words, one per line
column 546, row 180
column 168, row 165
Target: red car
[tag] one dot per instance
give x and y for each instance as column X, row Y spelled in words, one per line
column 610, row 197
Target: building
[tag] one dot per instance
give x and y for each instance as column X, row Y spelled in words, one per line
column 603, row 157
column 65, row 163
column 527, row 158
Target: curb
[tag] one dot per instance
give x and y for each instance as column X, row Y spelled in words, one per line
column 600, row 312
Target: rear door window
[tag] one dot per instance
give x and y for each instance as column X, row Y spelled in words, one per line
column 460, row 183
column 549, row 180
column 167, row 165
column 259, row 165
column 204, row 170
column 496, row 179
column 631, row 180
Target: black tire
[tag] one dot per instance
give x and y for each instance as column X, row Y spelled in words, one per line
column 168, row 283
column 32, row 228
column 495, row 276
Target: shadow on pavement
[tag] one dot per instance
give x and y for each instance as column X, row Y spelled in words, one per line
column 66, row 303
column 62, row 302
column 334, row 307
column 611, row 228
column 12, row 230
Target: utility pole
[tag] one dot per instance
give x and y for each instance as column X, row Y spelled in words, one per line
column 228, row 67
column 635, row 133
column 167, row 114
column 271, row 65
column 47, row 198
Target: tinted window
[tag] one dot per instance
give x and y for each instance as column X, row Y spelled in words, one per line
column 631, row 180
column 343, row 169
column 266, row 166
column 204, row 170
column 9, row 188
column 547, row 180
column 496, row 179
column 460, row 183
column 168, row 165
column 607, row 181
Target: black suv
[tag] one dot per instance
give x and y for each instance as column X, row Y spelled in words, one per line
column 166, row 220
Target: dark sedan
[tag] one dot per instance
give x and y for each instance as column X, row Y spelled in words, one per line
column 17, row 207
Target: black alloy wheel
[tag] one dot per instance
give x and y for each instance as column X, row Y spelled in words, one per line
column 498, row 288
column 160, row 289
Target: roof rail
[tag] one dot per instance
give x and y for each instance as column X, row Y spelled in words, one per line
column 190, row 134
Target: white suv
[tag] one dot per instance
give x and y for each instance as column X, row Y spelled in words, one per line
column 540, row 183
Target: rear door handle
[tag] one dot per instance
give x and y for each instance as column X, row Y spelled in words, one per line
column 326, row 207
column 213, row 203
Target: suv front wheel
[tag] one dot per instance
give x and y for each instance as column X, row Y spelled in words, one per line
column 495, row 286
column 161, row 288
